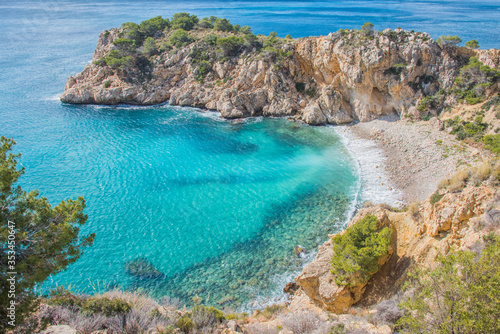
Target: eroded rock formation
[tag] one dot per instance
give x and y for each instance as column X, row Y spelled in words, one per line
column 334, row 79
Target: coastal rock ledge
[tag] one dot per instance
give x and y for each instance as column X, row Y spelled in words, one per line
column 334, row 79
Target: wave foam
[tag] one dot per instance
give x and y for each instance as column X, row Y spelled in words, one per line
column 375, row 184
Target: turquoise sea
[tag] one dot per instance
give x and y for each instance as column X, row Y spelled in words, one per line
column 218, row 207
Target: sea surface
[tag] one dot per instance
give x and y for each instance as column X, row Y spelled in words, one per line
column 220, row 209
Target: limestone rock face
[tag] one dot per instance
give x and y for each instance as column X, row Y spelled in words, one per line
column 456, row 222
column 333, row 79
column 453, row 209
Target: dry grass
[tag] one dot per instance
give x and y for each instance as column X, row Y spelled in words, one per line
column 482, row 172
column 414, row 209
column 303, row 322
column 486, row 170
column 458, row 181
column 137, row 300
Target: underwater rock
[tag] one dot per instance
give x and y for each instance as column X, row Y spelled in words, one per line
column 142, row 268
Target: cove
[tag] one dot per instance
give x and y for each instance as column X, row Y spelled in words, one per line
column 217, row 207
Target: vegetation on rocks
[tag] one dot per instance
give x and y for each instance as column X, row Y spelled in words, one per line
column 358, row 250
column 473, row 80
column 459, row 296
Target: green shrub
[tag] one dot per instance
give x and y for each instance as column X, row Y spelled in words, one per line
column 492, row 143
column 272, row 310
column 311, row 92
column 464, row 129
column 449, row 40
column 358, row 250
column 271, row 40
column 473, row 80
column 132, row 31
column 223, row 25
column 125, row 44
column 211, row 39
column 396, row 69
column 117, row 60
column 495, row 101
column 184, row 21
column 432, row 103
column 245, row 30
column 252, row 41
column 185, row 324
column 205, row 23
column 106, row 306
column 435, row 197
column 458, row 296
column 66, row 298
column 473, row 44
column 107, row 84
column 230, row 45
column 180, row 38
column 367, row 27
column 203, row 69
column 149, row 46
column 153, row 25
column 165, row 46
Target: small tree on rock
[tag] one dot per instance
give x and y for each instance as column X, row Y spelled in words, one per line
column 472, row 44
column 449, row 40
column 367, row 27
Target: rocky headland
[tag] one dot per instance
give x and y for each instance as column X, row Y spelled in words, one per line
column 336, row 79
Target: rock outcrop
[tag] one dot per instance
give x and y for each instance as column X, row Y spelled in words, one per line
column 453, row 221
column 334, row 79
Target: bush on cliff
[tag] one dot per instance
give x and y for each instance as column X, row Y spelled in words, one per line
column 230, row 46
column 459, row 296
column 132, row 31
column 449, row 40
column 473, row 81
column 153, row 25
column 358, row 250
column 472, row 44
column 205, row 23
column 125, row 44
column 246, row 30
column 184, row 21
column 116, row 59
column 492, row 143
column 223, row 25
column 149, row 46
column 180, row 38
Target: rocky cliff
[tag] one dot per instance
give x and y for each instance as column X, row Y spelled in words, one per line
column 335, row 79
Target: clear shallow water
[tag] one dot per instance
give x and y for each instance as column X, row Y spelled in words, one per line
column 217, row 207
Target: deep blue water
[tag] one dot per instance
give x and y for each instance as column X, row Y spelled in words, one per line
column 217, row 207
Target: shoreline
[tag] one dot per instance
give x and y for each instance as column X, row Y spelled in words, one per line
column 416, row 156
